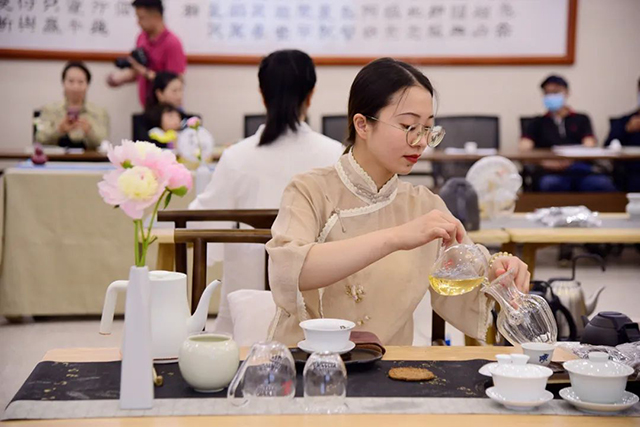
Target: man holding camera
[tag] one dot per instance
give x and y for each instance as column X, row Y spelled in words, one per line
column 157, row 49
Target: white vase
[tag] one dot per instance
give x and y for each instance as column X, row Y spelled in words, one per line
column 203, row 176
column 633, row 207
column 136, row 376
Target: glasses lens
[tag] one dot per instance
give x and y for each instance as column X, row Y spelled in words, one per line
column 414, row 135
column 435, row 136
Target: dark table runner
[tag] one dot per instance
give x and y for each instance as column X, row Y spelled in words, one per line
column 101, row 380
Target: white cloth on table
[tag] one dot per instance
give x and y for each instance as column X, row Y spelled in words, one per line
column 251, row 313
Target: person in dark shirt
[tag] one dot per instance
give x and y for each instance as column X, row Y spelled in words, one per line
column 626, row 129
column 563, row 126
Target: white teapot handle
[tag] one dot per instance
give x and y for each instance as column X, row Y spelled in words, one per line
column 109, row 308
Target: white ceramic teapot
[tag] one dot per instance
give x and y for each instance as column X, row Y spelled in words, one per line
column 171, row 320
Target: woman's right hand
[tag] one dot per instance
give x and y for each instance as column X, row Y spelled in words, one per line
column 422, row 230
column 65, row 126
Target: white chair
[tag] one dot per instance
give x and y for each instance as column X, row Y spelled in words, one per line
column 251, row 313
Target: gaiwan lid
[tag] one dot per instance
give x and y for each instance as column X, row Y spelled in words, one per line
column 598, row 365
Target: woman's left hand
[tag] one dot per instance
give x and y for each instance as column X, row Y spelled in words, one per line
column 522, row 276
column 84, row 124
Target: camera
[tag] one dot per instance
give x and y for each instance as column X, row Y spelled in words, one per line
column 137, row 54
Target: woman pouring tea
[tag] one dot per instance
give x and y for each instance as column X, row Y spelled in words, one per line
column 352, row 241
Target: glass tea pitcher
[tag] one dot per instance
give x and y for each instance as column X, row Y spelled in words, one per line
column 459, row 269
column 523, row 317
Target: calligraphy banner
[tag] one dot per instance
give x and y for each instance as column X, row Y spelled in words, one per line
column 433, row 32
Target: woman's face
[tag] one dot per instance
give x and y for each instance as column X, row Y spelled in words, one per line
column 172, row 94
column 384, row 139
column 75, row 85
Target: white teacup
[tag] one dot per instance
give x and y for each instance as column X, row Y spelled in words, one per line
column 327, row 334
column 540, row 353
column 470, row 147
column 208, row 362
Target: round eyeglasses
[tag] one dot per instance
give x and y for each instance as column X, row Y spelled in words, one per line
column 415, row 133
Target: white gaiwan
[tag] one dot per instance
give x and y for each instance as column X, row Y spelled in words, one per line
column 327, row 334
column 598, row 379
column 519, row 381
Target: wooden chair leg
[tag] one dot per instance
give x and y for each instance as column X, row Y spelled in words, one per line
column 199, row 272
column 166, row 257
column 181, row 257
column 181, row 251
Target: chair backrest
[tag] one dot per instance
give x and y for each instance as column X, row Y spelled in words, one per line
column 200, row 238
column 139, row 127
column 257, row 218
column 335, row 127
column 525, row 122
column 484, row 130
column 252, row 122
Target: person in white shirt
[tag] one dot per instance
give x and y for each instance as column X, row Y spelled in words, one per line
column 253, row 173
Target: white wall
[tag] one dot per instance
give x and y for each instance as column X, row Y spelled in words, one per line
column 603, row 83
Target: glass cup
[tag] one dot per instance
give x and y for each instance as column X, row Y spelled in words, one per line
column 458, row 269
column 325, row 383
column 268, row 372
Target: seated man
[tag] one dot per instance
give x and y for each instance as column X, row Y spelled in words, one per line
column 562, row 126
column 627, row 130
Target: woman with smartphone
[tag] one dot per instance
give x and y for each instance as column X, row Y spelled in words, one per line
column 73, row 122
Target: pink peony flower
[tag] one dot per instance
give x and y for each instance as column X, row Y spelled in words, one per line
column 133, row 189
column 144, row 174
column 180, row 179
column 194, row 122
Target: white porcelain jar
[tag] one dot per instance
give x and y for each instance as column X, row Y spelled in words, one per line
column 208, row 362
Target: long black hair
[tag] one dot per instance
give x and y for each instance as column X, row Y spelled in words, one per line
column 286, row 77
column 376, row 84
column 162, row 80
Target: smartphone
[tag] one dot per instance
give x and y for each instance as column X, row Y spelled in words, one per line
column 73, row 114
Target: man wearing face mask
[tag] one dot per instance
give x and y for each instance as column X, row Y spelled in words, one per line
column 626, row 129
column 563, row 126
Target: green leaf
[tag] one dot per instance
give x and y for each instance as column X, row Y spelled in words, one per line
column 180, row 191
column 127, row 164
column 167, row 200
